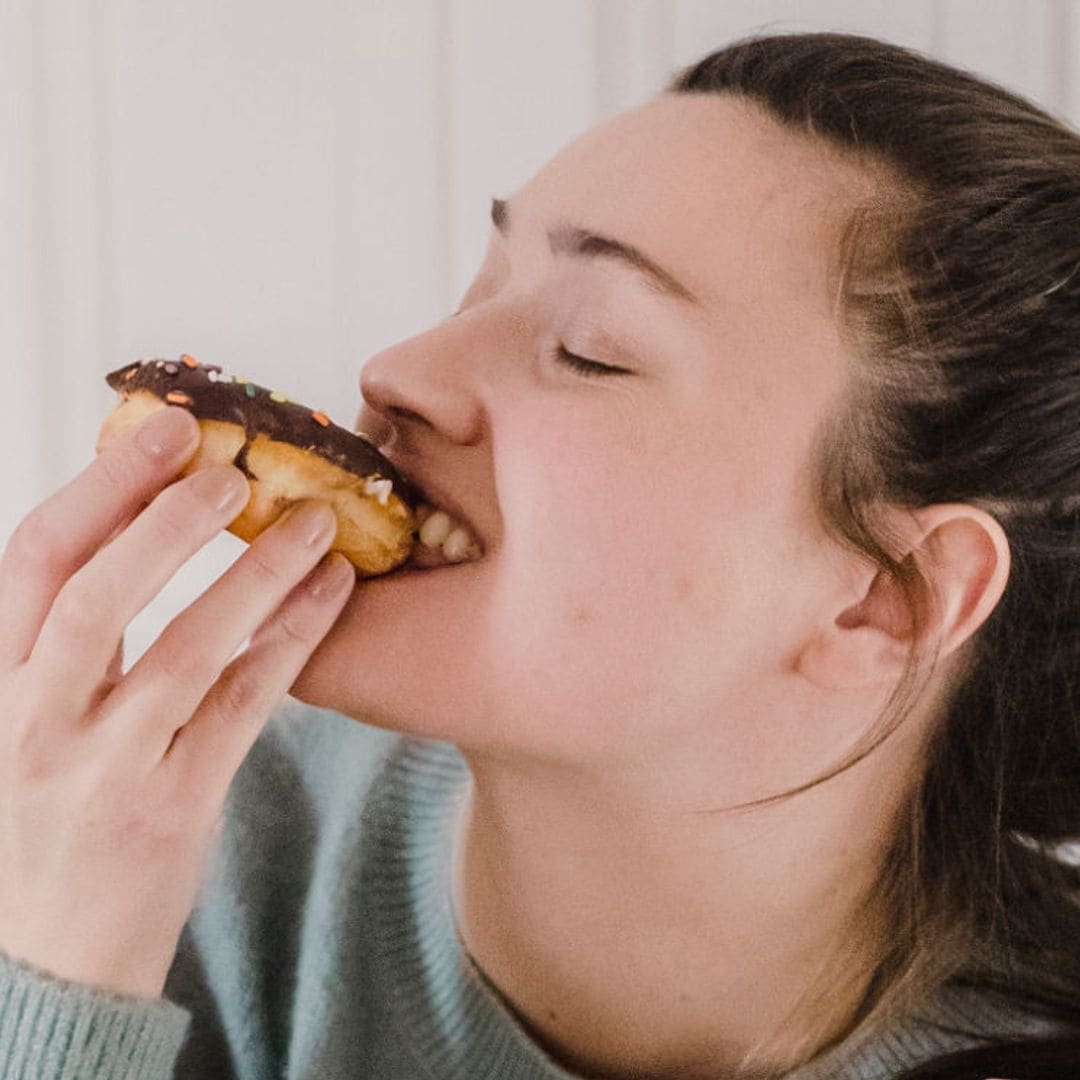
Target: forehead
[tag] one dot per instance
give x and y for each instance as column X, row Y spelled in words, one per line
column 734, row 205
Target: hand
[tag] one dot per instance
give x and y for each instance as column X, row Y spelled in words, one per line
column 112, row 785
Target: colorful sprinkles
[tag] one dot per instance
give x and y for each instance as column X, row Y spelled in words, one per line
column 184, row 382
column 214, row 374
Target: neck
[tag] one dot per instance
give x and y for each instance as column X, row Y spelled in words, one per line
column 652, row 936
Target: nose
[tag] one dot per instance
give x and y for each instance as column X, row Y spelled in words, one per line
column 422, row 385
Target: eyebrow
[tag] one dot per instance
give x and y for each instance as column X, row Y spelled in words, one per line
column 571, row 240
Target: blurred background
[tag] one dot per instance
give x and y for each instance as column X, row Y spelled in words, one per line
column 285, row 188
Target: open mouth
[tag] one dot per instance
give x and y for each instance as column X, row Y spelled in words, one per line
column 442, row 540
column 442, row 537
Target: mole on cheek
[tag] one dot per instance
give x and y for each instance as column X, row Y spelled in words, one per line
column 684, row 588
column 580, row 616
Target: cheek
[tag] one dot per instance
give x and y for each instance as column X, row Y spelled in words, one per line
column 587, row 529
column 631, row 577
column 602, row 601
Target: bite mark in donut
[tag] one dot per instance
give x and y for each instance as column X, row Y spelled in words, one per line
column 287, row 451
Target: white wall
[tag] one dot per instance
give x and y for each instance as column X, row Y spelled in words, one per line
column 284, row 188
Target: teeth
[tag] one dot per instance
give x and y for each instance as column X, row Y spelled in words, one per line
column 456, row 546
column 436, row 529
column 445, row 539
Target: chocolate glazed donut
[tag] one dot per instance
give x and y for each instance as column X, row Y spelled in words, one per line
column 288, row 453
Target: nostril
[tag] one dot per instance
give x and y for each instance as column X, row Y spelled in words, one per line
column 400, row 412
column 382, row 427
column 375, row 427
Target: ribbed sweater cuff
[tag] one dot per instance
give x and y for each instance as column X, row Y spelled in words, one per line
column 51, row 1029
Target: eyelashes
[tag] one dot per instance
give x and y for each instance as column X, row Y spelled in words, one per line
column 584, row 366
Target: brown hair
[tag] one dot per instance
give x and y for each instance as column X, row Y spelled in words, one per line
column 960, row 293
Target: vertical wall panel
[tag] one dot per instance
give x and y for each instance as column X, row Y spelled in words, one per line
column 521, row 84
column 22, row 368
column 703, row 25
column 224, row 200
column 72, row 188
column 633, row 49
column 1065, row 60
column 391, row 160
column 1015, row 44
column 55, row 236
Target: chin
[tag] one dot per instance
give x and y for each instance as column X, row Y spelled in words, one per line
column 406, row 653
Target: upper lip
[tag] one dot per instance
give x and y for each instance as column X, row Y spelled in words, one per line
column 425, row 488
column 429, row 492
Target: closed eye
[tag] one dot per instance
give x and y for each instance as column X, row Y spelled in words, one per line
column 584, row 366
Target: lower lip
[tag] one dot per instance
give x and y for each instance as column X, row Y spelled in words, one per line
column 408, row 571
column 402, row 592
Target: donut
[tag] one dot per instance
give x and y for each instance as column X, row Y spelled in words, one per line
column 288, row 452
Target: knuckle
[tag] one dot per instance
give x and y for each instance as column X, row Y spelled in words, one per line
column 34, row 545
column 29, row 747
column 178, row 662
column 80, row 609
column 240, row 693
column 31, row 759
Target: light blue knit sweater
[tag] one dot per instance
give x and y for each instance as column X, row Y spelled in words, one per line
column 323, row 944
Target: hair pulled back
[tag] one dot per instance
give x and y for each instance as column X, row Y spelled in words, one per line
column 960, row 293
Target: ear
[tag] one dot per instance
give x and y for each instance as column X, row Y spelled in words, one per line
column 961, row 558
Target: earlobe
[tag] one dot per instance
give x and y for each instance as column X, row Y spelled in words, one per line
column 959, row 558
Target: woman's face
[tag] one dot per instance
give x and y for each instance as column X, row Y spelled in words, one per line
column 651, row 554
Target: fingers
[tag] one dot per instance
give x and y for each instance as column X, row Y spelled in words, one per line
column 91, row 611
column 61, row 534
column 211, row 747
column 171, row 679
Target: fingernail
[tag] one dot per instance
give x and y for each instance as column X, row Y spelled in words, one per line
column 221, row 485
column 166, row 431
column 331, row 576
column 312, row 521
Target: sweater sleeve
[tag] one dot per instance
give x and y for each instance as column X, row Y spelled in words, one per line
column 51, row 1029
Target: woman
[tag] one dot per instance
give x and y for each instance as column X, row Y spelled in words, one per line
column 755, row 731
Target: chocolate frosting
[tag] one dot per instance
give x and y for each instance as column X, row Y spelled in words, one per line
column 209, row 394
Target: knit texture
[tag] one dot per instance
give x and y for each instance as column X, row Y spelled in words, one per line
column 323, row 944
